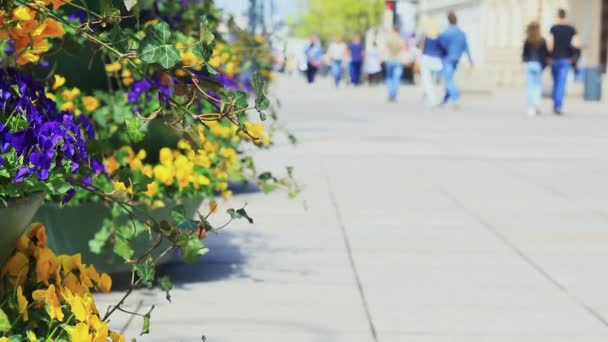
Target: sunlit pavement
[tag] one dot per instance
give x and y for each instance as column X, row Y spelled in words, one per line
column 481, row 224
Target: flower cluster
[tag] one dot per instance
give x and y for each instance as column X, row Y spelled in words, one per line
column 37, row 140
column 181, row 172
column 71, row 98
column 29, row 30
column 49, row 296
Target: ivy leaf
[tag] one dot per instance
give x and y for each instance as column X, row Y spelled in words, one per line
column 156, row 46
column 262, row 102
column 207, row 35
column 134, row 129
column 145, row 329
column 179, row 215
column 241, row 100
column 145, row 272
column 129, row 4
column 192, row 248
column 122, row 248
column 239, row 214
column 165, row 284
column 5, row 323
column 118, row 39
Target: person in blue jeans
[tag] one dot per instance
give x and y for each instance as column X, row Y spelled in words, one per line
column 453, row 42
column 314, row 55
column 535, row 55
column 562, row 44
column 357, row 53
column 337, row 54
column 395, row 47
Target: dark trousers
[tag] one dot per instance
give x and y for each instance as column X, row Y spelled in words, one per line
column 311, row 73
column 355, row 72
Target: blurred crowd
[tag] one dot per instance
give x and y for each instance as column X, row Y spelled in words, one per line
column 432, row 57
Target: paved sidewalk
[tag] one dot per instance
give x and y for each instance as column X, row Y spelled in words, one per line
column 415, row 225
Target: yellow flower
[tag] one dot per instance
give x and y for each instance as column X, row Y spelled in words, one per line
column 111, row 164
column 68, row 106
column 51, row 302
column 116, row 337
column 202, row 180
column 51, row 97
column 59, row 81
column 113, row 67
column 22, row 302
column 101, row 329
column 72, row 282
column 79, row 333
column 157, row 205
column 166, row 156
column 164, row 174
column 227, row 194
column 23, row 13
column 152, row 189
column 189, row 59
column 37, row 235
column 51, row 28
column 105, row 283
column 31, row 336
column 16, row 267
column 5, row 339
column 70, row 95
column 120, row 188
column 90, row 103
column 46, row 264
column 92, row 274
column 77, row 305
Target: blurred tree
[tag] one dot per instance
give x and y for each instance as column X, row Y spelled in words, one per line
column 339, row 17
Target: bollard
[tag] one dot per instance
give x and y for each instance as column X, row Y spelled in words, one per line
column 592, row 84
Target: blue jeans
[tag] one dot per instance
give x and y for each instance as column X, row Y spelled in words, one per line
column 451, row 90
column 394, row 71
column 355, row 72
column 336, row 71
column 534, row 83
column 559, row 70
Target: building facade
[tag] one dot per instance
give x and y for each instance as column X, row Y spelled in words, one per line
column 496, row 32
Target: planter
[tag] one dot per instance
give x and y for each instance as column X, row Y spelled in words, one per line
column 14, row 219
column 69, row 230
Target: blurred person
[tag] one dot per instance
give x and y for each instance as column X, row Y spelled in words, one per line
column 357, row 54
column 430, row 60
column 314, row 55
column 534, row 56
column 373, row 64
column 562, row 44
column 395, row 50
column 337, row 54
column 454, row 43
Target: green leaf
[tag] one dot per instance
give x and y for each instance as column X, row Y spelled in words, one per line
column 207, row 35
column 134, row 129
column 239, row 214
column 119, row 40
column 5, row 323
column 145, row 329
column 129, row 4
column 156, row 46
column 192, row 248
column 179, row 215
column 145, row 272
column 261, row 101
column 122, row 248
column 241, row 100
column 165, row 284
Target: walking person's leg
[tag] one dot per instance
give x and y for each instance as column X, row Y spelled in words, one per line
column 426, row 82
column 389, row 80
column 358, row 68
column 560, row 79
column 310, row 73
column 336, row 68
column 539, row 88
column 530, row 88
column 450, row 85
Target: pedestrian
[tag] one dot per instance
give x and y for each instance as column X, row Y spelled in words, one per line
column 314, row 54
column 373, row 64
column 454, row 43
column 395, row 50
column 562, row 44
column 534, row 56
column 430, row 61
column 357, row 54
column 337, row 55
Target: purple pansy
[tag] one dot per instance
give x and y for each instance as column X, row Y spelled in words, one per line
column 50, row 140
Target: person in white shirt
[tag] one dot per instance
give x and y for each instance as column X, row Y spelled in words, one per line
column 373, row 64
column 337, row 54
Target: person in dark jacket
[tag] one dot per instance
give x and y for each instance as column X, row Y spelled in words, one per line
column 535, row 56
column 562, row 43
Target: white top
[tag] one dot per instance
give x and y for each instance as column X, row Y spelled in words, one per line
column 373, row 60
column 337, row 51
